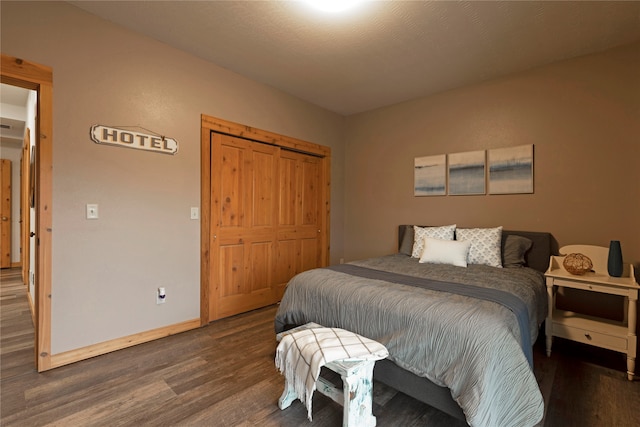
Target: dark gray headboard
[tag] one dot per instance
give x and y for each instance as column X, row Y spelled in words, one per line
column 537, row 257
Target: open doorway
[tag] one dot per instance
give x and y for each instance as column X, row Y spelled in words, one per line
column 17, row 261
column 17, row 141
column 19, row 73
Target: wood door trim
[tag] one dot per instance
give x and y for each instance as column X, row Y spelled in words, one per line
column 205, row 221
column 259, row 135
column 25, row 211
column 29, row 75
column 211, row 124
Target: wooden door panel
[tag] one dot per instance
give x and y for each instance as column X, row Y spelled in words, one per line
column 286, row 261
column 238, row 235
column 245, row 277
column 260, row 267
column 5, row 213
column 264, row 195
column 240, row 303
column 296, row 233
column 309, row 254
column 244, row 206
column 299, row 207
column 287, row 264
column 231, row 270
column 289, row 198
column 231, row 186
column 310, row 188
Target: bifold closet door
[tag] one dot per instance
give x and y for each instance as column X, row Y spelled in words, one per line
column 244, row 211
column 265, row 222
column 298, row 245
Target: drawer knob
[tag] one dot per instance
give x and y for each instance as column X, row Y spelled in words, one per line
column 588, row 336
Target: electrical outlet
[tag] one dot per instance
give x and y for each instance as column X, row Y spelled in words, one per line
column 161, row 296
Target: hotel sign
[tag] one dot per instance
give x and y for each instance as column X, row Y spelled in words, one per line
column 130, row 139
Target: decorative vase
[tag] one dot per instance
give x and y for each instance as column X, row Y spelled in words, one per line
column 614, row 263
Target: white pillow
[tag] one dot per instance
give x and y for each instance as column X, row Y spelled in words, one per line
column 485, row 245
column 439, row 251
column 445, row 232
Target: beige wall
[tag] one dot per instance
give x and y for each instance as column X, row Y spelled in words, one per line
column 583, row 117
column 105, row 272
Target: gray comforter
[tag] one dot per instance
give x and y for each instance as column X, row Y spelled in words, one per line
column 470, row 346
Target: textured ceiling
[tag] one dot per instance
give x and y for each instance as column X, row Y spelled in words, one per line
column 382, row 52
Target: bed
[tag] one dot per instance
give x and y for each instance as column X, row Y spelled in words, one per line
column 451, row 345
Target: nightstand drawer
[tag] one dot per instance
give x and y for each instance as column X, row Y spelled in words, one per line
column 586, row 336
column 575, row 284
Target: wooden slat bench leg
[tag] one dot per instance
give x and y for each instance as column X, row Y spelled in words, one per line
column 358, row 397
column 288, row 395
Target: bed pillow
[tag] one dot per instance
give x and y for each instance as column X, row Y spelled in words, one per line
column 485, row 245
column 438, row 251
column 406, row 243
column 514, row 251
column 445, row 232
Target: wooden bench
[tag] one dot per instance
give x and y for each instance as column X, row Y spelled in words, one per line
column 357, row 394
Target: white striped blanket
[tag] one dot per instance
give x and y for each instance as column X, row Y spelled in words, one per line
column 301, row 354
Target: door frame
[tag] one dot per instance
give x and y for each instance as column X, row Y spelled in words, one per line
column 210, row 124
column 30, row 75
column 25, row 210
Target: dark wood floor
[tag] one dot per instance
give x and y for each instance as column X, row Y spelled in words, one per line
column 224, row 375
column 17, row 356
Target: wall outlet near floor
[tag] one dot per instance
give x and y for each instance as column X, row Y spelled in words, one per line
column 161, row 296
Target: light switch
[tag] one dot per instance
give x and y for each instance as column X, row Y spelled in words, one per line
column 92, row 211
column 194, row 213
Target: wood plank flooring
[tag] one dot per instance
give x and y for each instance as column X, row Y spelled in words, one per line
column 224, row 375
column 16, row 326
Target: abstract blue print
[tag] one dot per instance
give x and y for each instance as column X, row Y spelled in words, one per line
column 430, row 175
column 467, row 173
column 511, row 170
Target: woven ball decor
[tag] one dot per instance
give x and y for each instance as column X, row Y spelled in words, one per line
column 577, row 264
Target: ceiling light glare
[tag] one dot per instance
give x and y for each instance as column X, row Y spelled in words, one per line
column 334, row 6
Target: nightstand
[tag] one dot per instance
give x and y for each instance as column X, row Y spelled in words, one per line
column 605, row 333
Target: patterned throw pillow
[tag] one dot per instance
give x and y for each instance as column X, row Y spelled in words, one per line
column 445, row 232
column 485, row 245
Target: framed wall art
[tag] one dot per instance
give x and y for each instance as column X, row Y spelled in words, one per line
column 430, row 175
column 467, row 173
column 511, row 170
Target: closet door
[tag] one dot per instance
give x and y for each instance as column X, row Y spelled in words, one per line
column 244, row 218
column 5, row 212
column 298, row 246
